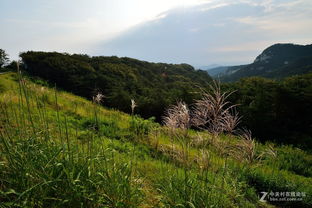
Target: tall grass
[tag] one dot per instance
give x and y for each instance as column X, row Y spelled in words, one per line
column 57, row 150
column 193, row 189
column 41, row 165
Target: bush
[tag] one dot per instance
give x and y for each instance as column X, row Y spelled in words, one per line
column 140, row 127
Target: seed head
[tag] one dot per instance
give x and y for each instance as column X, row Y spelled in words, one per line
column 98, row 98
column 133, row 105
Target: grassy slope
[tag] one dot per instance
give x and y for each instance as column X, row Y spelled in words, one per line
column 58, row 150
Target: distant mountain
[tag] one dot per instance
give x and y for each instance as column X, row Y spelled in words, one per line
column 277, row 61
column 221, row 71
column 215, row 71
column 208, row 67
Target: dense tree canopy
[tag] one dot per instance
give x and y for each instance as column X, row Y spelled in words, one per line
column 272, row 110
column 276, row 110
column 153, row 86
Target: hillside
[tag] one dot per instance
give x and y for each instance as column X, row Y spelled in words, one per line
column 281, row 107
column 60, row 150
column 153, row 85
column 277, row 61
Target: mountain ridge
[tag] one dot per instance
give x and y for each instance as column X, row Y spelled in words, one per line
column 277, row 61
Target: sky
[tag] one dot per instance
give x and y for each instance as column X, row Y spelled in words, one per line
column 198, row 32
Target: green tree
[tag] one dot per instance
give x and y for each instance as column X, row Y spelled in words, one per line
column 3, row 58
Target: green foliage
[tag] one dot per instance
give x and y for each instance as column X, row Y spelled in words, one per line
column 141, row 127
column 106, row 128
column 293, row 160
column 42, row 175
column 189, row 189
column 154, row 86
column 59, row 150
column 2, row 87
column 277, row 61
column 270, row 179
column 3, row 58
column 279, row 107
column 12, row 66
column 282, row 108
column 45, row 161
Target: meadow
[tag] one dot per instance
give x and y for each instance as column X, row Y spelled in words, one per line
column 61, row 150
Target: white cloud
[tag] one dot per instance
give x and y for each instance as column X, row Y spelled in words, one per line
column 223, row 32
column 214, row 5
column 287, row 17
column 248, row 46
column 196, row 26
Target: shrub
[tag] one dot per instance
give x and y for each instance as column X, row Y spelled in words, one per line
column 140, row 127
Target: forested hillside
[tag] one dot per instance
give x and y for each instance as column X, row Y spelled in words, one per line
column 153, row 86
column 156, row 104
column 276, row 110
column 60, row 150
column 279, row 107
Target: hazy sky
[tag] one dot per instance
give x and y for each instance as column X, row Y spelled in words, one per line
column 199, row 32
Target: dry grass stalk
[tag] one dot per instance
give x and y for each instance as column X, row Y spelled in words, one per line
column 199, row 141
column 98, row 98
column 246, row 149
column 268, row 152
column 133, row 105
column 179, row 121
column 173, row 152
column 178, row 116
column 213, row 113
column 203, row 159
column 229, row 121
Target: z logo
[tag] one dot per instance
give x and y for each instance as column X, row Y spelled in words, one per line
column 262, row 199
